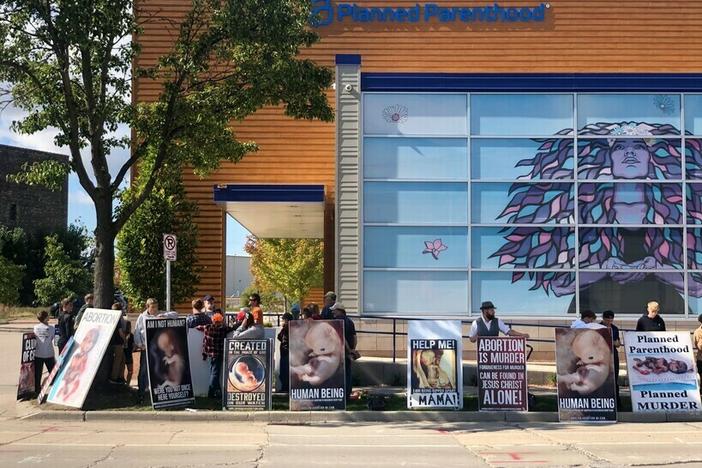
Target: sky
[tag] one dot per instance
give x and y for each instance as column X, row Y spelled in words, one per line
column 80, row 206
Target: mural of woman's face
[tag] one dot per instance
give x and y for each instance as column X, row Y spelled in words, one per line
column 630, row 159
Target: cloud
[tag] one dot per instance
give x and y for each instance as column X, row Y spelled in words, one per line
column 79, row 197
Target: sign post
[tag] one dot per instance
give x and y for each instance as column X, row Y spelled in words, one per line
column 170, row 247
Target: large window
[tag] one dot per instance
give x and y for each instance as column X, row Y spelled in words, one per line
column 542, row 203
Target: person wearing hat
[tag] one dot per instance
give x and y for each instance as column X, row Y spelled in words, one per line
column 350, row 342
column 209, row 308
column 329, row 301
column 488, row 325
column 256, row 311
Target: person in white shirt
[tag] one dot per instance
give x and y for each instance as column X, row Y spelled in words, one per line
column 44, row 354
column 248, row 330
column 140, row 342
column 587, row 320
column 488, row 325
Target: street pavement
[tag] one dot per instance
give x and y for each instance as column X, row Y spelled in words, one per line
column 158, row 443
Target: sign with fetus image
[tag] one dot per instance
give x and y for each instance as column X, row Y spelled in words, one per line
column 585, row 374
column 78, row 365
column 662, row 373
column 317, row 365
column 248, row 365
column 168, row 363
column 27, row 386
column 434, row 367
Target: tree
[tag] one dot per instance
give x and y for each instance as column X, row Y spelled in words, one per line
column 11, row 276
column 289, row 266
column 68, row 63
column 28, row 251
column 140, row 250
column 64, row 276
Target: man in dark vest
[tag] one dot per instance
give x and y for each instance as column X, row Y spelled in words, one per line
column 488, row 325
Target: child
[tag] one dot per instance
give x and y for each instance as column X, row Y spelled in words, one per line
column 128, row 351
column 44, row 354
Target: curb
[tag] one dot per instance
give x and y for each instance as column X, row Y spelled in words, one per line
column 312, row 417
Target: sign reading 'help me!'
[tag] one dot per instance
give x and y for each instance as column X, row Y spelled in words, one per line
column 170, row 246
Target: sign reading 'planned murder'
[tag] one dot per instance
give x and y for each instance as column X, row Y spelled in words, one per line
column 502, row 374
column 662, row 373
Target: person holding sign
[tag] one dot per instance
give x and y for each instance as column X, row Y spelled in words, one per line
column 488, row 325
column 44, row 354
column 140, row 341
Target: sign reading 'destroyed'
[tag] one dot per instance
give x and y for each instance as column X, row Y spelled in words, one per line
column 661, row 369
column 247, row 374
column 502, row 373
column 326, row 13
column 434, row 370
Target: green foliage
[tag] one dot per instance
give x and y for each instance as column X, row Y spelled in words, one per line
column 69, row 65
column 140, row 246
column 64, row 276
column 271, row 301
column 10, row 281
column 50, row 174
column 289, row 266
column 28, row 251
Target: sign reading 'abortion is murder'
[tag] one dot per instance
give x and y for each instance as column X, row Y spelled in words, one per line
column 502, row 376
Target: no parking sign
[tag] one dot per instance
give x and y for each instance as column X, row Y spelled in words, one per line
column 170, row 247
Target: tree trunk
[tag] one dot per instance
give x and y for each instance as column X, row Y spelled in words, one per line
column 104, row 278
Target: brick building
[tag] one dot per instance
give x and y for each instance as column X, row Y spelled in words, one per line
column 36, row 210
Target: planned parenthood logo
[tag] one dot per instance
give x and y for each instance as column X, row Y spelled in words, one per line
column 324, row 13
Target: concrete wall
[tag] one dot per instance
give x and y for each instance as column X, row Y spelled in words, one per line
column 237, row 274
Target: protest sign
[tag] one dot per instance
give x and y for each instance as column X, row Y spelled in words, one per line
column 27, row 387
column 168, row 363
column 502, row 374
column 662, row 373
column 83, row 359
column 247, row 371
column 199, row 368
column 585, row 369
column 68, row 349
column 434, row 365
column 317, row 365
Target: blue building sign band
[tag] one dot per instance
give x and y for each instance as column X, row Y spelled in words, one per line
column 324, row 13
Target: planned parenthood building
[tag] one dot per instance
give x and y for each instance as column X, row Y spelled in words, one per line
column 544, row 156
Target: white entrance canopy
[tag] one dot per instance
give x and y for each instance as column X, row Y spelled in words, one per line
column 275, row 211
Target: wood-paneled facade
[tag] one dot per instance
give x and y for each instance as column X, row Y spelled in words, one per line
column 578, row 36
